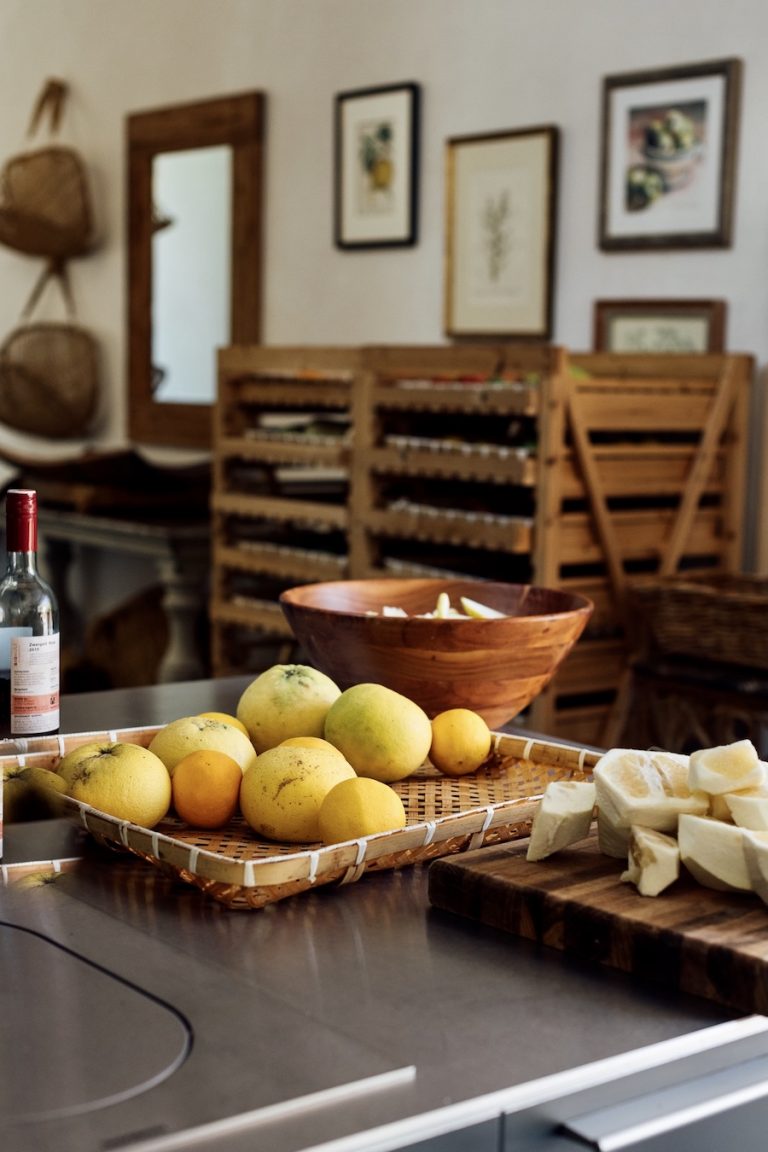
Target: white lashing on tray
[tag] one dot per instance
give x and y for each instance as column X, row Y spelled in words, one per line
column 356, row 870
column 476, row 839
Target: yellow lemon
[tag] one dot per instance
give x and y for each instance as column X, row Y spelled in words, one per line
column 461, row 741
column 125, row 781
column 359, row 807
column 206, row 788
column 225, row 718
column 281, row 794
column 382, row 734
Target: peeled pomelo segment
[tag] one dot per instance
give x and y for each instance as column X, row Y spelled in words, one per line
column 443, row 606
column 756, row 856
column 648, row 788
column 564, row 816
column 714, row 853
column 653, row 861
column 718, row 808
column 612, row 838
column 726, row 768
column 748, row 809
column 479, row 611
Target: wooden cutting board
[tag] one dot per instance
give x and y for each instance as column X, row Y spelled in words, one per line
column 708, row 943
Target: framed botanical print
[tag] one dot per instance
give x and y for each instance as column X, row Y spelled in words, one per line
column 501, row 212
column 664, row 326
column 376, row 160
column 668, row 169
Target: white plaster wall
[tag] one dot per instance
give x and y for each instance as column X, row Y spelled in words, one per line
column 483, row 65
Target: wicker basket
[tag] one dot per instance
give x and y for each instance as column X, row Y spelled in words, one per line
column 45, row 206
column 49, row 379
column 45, row 202
column 444, row 815
column 721, row 617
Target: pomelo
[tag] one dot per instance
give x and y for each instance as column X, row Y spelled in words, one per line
column 381, row 733
column 286, row 700
column 281, row 793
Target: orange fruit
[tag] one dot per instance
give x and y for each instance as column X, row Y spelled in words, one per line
column 206, row 788
column 461, row 741
column 225, row 718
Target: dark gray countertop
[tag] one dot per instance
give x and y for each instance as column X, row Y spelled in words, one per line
column 431, row 1014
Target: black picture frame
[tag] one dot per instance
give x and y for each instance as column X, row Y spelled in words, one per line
column 376, row 157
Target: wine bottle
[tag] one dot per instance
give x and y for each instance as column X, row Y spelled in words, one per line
column 29, row 629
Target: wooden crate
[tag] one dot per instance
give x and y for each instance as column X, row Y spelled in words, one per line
column 652, row 464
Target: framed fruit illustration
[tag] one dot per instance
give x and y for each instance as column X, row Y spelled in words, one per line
column 376, row 161
column 669, row 157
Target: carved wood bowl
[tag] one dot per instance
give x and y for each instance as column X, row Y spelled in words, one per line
column 495, row 667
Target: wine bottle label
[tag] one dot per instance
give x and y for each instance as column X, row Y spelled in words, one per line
column 7, row 635
column 34, row 684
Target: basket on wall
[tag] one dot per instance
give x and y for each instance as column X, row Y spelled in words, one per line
column 45, row 203
column 49, row 379
column 49, row 372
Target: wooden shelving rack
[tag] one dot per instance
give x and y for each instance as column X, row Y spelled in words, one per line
column 445, row 470
column 282, row 445
column 515, row 462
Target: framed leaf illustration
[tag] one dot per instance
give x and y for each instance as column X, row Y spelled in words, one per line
column 501, row 197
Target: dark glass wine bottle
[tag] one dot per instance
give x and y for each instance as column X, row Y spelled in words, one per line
column 29, row 629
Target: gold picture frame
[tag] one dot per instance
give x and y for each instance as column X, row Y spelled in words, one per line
column 501, row 213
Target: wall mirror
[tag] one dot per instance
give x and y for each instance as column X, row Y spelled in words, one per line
column 195, row 190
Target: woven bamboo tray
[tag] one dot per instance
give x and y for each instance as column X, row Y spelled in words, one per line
column 719, row 617
column 444, row 816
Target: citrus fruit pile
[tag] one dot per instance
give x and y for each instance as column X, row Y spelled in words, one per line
column 301, row 761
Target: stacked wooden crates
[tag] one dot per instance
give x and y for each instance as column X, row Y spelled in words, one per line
column 514, row 462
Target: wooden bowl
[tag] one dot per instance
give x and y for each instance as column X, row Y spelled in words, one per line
column 495, row 667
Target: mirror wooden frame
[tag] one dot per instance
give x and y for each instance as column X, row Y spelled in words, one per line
column 236, row 120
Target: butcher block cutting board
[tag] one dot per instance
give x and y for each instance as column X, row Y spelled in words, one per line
column 708, row 943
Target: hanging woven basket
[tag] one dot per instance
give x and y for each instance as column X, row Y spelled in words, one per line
column 45, row 203
column 49, row 380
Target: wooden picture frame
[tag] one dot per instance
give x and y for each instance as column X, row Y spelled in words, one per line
column 237, row 123
column 668, row 165
column 501, row 213
column 663, row 326
column 376, row 148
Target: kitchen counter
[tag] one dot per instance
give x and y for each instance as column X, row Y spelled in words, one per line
column 346, row 1019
